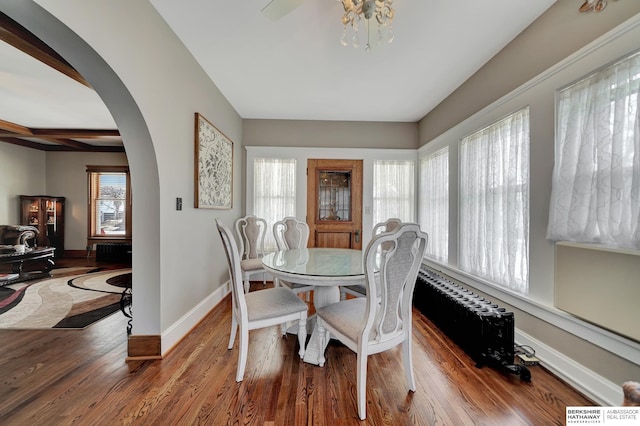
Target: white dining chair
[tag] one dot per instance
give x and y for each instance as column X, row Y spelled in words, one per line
column 378, row 322
column 291, row 233
column 251, row 231
column 258, row 309
column 359, row 290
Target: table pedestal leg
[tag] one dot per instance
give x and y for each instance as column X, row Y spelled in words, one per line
column 322, row 296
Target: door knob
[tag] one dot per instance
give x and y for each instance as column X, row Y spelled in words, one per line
column 357, row 235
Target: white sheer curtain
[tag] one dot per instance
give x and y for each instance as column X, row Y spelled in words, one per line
column 434, row 203
column 595, row 195
column 494, row 202
column 274, row 192
column 393, row 190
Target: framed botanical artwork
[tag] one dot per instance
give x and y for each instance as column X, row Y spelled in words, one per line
column 213, row 166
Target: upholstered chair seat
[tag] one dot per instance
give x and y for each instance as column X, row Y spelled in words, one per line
column 252, row 265
column 273, row 304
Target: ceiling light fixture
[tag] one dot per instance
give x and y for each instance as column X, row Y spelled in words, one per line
column 379, row 11
column 595, row 5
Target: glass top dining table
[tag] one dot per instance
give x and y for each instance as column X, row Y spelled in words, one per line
column 317, row 265
column 324, row 268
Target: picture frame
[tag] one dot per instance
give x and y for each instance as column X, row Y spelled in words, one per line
column 213, row 166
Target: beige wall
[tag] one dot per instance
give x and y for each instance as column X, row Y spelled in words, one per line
column 22, row 172
column 559, row 32
column 330, row 134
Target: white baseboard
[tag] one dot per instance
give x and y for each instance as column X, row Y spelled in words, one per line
column 184, row 325
column 590, row 384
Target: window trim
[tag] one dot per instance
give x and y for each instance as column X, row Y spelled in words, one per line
column 93, row 239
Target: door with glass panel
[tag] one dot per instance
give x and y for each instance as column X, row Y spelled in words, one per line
column 334, row 203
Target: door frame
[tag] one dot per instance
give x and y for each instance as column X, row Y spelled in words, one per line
column 350, row 229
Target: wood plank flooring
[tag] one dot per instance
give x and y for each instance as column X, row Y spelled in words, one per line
column 80, row 377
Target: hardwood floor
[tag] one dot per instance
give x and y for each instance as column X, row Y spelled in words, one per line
column 60, row 377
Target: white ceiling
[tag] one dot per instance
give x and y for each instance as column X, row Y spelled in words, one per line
column 295, row 67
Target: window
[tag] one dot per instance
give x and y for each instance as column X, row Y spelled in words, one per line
column 274, row 194
column 434, row 203
column 494, row 202
column 595, row 195
column 393, row 190
column 109, row 202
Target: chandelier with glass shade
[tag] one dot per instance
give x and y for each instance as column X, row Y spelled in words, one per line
column 377, row 16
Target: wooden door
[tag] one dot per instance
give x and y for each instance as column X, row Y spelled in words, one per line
column 334, row 203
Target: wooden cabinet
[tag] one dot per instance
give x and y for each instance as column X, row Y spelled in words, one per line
column 47, row 214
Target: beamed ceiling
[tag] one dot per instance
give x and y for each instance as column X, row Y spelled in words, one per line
column 34, row 84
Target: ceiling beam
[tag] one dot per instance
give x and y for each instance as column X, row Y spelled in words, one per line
column 13, row 133
column 76, row 133
column 32, row 144
column 14, row 34
column 15, row 129
column 22, row 142
column 92, row 148
column 8, row 128
column 48, row 147
column 70, row 143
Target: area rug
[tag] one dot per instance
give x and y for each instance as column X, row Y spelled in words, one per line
column 71, row 298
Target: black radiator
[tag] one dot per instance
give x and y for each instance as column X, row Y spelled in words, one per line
column 113, row 252
column 482, row 329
